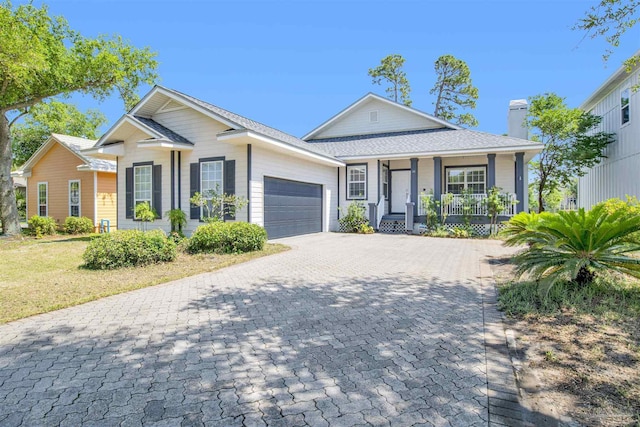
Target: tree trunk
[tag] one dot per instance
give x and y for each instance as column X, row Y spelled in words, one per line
column 541, row 184
column 8, row 209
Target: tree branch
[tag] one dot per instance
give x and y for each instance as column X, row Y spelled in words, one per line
column 15, row 119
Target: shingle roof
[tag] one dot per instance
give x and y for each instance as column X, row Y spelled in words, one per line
column 77, row 144
column 417, row 141
column 252, row 125
column 165, row 132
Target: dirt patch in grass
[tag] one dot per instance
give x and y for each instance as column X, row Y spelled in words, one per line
column 37, row 276
column 579, row 364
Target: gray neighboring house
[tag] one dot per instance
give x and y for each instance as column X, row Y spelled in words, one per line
column 617, row 175
column 375, row 151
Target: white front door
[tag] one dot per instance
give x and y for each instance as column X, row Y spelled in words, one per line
column 400, row 188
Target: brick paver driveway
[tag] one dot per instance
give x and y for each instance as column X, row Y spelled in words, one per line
column 342, row 330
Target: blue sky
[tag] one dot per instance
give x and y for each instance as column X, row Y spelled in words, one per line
column 294, row 64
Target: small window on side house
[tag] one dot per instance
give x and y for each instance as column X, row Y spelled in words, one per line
column 624, row 106
column 373, row 116
column 43, row 199
column 356, row 182
column 74, row 198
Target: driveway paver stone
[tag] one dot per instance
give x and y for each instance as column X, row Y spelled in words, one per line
column 343, row 330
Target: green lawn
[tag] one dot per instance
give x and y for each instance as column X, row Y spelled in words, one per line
column 37, row 276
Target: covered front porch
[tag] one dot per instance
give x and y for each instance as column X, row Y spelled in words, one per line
column 396, row 190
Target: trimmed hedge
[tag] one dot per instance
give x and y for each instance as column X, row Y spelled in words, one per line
column 227, row 238
column 75, row 225
column 129, row 248
column 42, row 225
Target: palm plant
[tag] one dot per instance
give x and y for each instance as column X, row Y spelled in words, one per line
column 572, row 246
column 521, row 228
column 178, row 219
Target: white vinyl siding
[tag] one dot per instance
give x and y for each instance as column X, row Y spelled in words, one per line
column 43, row 198
column 142, row 185
column 74, row 198
column 389, row 118
column 357, row 182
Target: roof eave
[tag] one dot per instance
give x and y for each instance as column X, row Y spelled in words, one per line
column 164, row 144
column 535, row 148
column 241, row 135
column 616, row 78
column 88, row 168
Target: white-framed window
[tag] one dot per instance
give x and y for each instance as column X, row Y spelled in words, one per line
column 357, row 182
column 625, row 102
column 373, row 116
column 74, row 197
column 43, row 198
column 385, row 181
column 211, row 184
column 142, row 185
column 470, row 178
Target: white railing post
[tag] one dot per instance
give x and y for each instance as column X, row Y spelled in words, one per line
column 380, row 212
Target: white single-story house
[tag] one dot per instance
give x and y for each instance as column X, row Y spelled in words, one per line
column 379, row 152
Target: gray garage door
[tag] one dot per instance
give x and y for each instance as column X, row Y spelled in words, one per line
column 291, row 208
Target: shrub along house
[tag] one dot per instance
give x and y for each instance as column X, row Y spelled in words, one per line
column 172, row 145
column 62, row 181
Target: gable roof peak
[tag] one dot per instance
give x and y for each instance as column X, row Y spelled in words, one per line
column 369, row 96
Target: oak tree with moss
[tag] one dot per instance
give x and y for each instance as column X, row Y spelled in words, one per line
column 42, row 57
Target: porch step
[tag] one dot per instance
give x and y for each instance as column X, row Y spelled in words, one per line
column 392, row 226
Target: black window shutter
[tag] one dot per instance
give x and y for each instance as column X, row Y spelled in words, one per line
column 157, row 190
column 128, row 184
column 194, row 185
column 230, row 181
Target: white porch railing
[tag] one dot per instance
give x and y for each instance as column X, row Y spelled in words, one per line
column 422, row 203
column 477, row 204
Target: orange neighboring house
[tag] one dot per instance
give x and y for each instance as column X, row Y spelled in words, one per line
column 62, row 182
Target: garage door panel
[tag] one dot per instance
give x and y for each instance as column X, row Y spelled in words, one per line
column 291, row 208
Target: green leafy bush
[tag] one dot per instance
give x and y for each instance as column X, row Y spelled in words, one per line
column 438, row 231
column 461, row 232
column 354, row 218
column 129, row 248
column 570, row 247
column 227, row 237
column 365, row 229
column 78, row 225
column 42, row 225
